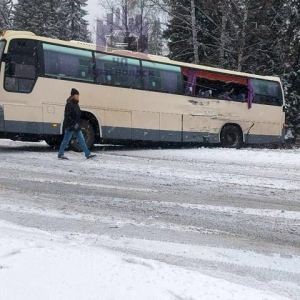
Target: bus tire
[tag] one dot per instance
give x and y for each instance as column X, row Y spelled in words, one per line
column 89, row 136
column 231, row 137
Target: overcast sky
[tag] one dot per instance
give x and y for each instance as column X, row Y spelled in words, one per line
column 94, row 11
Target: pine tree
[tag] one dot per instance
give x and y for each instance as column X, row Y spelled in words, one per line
column 33, row 15
column 76, row 25
column 5, row 14
column 61, row 19
column 56, row 21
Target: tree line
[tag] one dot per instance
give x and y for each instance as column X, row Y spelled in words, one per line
column 255, row 36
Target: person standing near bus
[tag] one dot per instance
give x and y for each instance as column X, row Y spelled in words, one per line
column 72, row 126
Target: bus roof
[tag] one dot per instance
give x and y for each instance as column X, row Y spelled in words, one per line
column 10, row 34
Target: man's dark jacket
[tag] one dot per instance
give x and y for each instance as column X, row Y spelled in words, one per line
column 72, row 115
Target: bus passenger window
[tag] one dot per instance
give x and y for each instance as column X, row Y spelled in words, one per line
column 162, row 77
column 20, row 72
column 69, row 63
column 118, row 71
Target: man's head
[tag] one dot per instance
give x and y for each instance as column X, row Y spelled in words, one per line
column 75, row 94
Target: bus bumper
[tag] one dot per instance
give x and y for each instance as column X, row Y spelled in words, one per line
column 264, row 139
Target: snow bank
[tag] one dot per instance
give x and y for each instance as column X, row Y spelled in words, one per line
column 37, row 265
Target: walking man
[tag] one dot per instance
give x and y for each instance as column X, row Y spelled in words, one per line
column 72, row 126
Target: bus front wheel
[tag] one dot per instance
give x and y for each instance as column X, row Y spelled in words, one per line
column 89, row 136
column 231, row 137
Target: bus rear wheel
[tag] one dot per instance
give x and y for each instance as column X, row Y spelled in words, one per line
column 231, row 137
column 89, row 136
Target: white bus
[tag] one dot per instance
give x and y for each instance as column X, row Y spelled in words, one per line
column 130, row 96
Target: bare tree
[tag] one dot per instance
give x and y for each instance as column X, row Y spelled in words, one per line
column 194, row 32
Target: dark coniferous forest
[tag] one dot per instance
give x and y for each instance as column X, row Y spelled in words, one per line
column 62, row 19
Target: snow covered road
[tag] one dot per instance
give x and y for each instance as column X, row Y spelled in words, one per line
column 229, row 214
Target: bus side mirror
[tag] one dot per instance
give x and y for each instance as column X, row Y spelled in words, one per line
column 10, row 68
column 10, row 65
column 5, row 57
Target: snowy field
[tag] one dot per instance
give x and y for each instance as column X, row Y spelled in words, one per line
column 190, row 224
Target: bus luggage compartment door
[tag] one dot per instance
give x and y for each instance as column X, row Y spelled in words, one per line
column 196, row 128
column 170, row 128
column 145, row 126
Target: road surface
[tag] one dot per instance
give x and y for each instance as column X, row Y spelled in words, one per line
column 233, row 214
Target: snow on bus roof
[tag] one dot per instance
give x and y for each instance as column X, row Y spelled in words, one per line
column 7, row 33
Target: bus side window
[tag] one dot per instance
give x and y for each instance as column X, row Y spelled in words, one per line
column 69, row 63
column 162, row 77
column 118, row 71
column 21, row 67
column 266, row 92
column 101, row 77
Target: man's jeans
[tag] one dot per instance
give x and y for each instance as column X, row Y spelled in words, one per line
column 80, row 139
